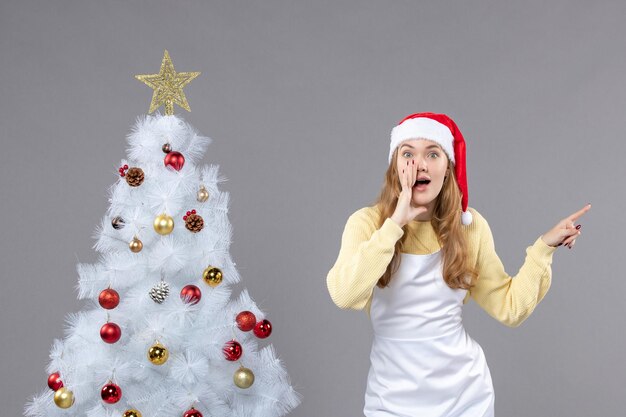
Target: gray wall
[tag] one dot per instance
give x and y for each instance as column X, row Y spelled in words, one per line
column 299, row 98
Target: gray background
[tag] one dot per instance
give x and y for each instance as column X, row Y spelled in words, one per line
column 299, row 98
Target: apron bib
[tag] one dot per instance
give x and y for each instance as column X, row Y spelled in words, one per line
column 423, row 363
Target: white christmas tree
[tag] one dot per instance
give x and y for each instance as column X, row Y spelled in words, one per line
column 161, row 335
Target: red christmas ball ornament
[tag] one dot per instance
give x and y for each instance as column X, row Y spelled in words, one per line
column 54, row 381
column 263, row 329
column 192, row 413
column 109, row 298
column 110, row 332
column 111, row 393
column 175, row 160
column 190, row 294
column 232, row 350
column 246, row 321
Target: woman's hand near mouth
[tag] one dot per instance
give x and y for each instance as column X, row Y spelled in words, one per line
column 405, row 212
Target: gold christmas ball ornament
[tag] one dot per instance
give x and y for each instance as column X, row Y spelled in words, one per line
column 244, row 378
column 212, row 276
column 63, row 398
column 135, row 245
column 131, row 413
column 163, row 224
column 203, row 194
column 158, row 354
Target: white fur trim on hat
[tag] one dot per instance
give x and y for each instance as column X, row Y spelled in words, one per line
column 426, row 128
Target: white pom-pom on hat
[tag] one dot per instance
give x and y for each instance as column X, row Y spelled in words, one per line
column 466, row 218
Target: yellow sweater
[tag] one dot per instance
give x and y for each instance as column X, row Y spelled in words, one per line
column 366, row 251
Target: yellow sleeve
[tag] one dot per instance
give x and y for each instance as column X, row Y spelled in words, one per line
column 363, row 258
column 510, row 300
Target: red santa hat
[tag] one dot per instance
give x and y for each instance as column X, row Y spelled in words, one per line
column 440, row 129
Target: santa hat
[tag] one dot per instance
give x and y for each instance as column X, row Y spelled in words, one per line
column 440, row 129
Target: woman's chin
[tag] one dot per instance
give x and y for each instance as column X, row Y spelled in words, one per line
column 421, row 202
column 422, row 198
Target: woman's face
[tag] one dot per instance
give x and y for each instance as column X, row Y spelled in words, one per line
column 430, row 163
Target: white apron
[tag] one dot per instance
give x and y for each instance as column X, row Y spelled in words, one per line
column 423, row 363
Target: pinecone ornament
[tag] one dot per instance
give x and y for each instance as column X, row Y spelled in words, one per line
column 117, row 222
column 193, row 222
column 134, row 177
column 159, row 292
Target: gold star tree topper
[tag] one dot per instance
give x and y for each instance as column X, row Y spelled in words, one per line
column 168, row 86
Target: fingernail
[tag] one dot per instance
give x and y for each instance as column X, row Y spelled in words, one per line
column 579, row 226
column 559, row 244
column 403, row 171
column 413, row 162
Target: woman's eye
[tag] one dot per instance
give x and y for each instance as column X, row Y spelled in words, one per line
column 407, row 154
column 435, row 154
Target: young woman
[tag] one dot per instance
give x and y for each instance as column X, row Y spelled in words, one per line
column 414, row 258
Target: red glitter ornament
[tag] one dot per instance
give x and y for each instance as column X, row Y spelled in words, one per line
column 175, row 160
column 110, row 332
column 109, row 298
column 246, row 321
column 190, row 294
column 232, row 350
column 192, row 413
column 54, row 381
column 111, row 393
column 263, row 329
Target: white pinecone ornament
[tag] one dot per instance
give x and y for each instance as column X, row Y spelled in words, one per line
column 159, row 292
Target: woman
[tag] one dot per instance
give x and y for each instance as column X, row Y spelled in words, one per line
column 414, row 258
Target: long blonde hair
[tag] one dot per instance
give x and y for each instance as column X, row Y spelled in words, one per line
column 446, row 221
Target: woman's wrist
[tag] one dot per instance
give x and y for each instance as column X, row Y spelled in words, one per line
column 548, row 244
column 398, row 222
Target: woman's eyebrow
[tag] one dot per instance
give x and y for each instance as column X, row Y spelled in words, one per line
column 428, row 147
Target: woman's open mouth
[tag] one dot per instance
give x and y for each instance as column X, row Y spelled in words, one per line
column 421, row 185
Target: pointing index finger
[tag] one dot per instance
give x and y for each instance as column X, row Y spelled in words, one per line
column 579, row 213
